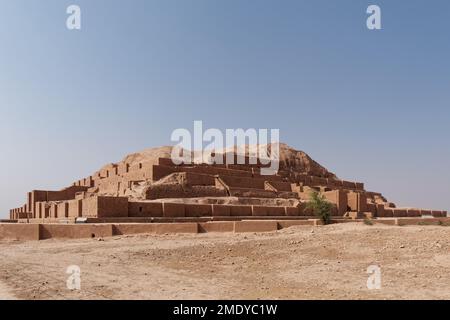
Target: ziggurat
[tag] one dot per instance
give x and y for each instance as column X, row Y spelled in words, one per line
column 147, row 187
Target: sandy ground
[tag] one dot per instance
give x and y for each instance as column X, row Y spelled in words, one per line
column 305, row 262
column 5, row 293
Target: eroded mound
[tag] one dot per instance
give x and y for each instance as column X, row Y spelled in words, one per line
column 148, row 184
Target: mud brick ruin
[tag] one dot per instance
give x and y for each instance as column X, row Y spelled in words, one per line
column 147, row 187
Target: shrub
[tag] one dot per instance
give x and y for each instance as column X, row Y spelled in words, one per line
column 368, row 222
column 320, row 207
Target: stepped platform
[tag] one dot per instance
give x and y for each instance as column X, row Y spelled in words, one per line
column 147, row 187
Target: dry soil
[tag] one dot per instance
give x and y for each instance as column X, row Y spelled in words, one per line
column 327, row 262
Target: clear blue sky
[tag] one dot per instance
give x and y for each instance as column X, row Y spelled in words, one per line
column 372, row 106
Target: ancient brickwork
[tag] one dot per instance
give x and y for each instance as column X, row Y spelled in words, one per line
column 142, row 186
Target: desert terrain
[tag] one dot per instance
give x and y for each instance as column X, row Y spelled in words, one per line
column 302, row 262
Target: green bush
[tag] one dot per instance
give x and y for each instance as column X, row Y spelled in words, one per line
column 320, row 207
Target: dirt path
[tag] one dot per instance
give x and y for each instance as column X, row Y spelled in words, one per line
column 296, row 263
